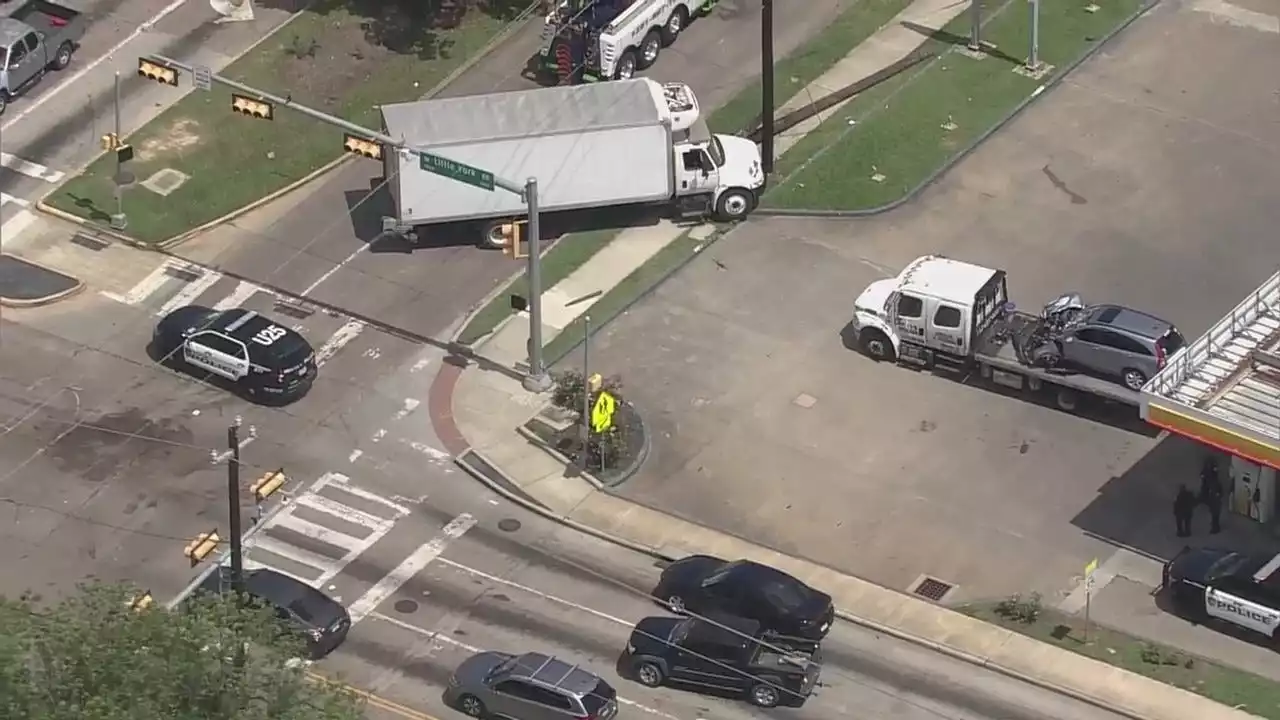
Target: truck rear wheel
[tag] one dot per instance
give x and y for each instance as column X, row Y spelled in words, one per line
column 63, row 58
column 675, row 25
column 4, row 101
column 650, row 48
column 626, row 65
column 765, row 694
column 1067, row 399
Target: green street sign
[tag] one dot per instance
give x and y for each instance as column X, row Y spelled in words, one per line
column 444, row 167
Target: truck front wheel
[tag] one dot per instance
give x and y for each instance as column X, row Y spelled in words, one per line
column 63, row 58
column 876, row 346
column 765, row 694
column 734, row 205
column 627, row 65
column 4, row 101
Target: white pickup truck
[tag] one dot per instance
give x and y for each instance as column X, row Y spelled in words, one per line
column 595, row 40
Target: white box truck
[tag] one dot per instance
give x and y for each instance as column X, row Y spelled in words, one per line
column 589, row 146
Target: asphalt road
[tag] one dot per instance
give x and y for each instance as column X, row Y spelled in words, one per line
column 1139, row 180
column 324, row 243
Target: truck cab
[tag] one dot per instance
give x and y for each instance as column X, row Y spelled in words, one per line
column 936, row 307
column 722, row 173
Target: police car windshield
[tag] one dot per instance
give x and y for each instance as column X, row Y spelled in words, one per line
column 289, row 351
column 1226, row 566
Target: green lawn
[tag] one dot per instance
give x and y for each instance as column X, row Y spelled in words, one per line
column 886, row 141
column 325, row 61
column 807, row 63
column 1229, row 686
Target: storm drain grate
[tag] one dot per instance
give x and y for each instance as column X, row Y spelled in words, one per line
column 932, row 589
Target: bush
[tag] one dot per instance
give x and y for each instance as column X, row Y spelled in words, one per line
column 570, row 386
column 1018, row 609
column 605, row 450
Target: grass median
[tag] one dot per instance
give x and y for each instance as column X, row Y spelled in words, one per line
column 341, row 57
column 1226, row 685
column 888, row 140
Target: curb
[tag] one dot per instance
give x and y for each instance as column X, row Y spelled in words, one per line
column 511, row 27
column 841, row 614
column 973, row 145
column 18, row 304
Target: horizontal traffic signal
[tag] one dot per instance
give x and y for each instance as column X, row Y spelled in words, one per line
column 362, row 146
column 199, row 548
column 157, row 71
column 253, row 107
column 110, row 141
column 265, row 486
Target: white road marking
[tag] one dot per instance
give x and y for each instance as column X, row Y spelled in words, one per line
column 334, row 269
column 409, row 406
column 411, row 566
column 16, row 225
column 425, row 449
column 537, row 593
column 372, row 497
column 340, row 338
column 337, row 509
column 292, row 552
column 315, row 531
column 1228, row 14
column 147, row 286
column 244, row 290
column 421, row 364
column 190, row 292
column 435, row 635
column 6, row 199
column 355, row 455
column 87, row 68
column 379, row 435
column 30, row 169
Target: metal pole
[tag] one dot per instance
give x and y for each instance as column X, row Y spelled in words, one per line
column 233, row 505
column 1033, row 59
column 537, row 380
column 586, row 384
column 766, row 85
column 119, row 221
column 975, row 26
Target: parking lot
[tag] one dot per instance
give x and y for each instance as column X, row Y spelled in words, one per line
column 1145, row 179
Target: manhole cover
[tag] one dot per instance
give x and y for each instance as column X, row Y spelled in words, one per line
column 508, row 524
column 406, row 606
column 932, row 589
column 165, row 181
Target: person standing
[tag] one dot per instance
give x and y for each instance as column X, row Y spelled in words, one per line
column 1211, row 493
column 1183, row 507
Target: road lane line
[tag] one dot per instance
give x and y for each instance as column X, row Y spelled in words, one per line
column 86, row 69
column 411, row 566
column 538, row 593
column 244, row 290
column 190, row 292
column 30, row 169
column 338, row 340
column 328, row 274
column 446, row 640
column 409, row 406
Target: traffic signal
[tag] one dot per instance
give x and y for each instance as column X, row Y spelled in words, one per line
column 268, row 484
column 362, row 146
column 253, row 107
column 124, row 153
column 110, row 141
column 159, row 72
column 510, row 237
column 200, row 548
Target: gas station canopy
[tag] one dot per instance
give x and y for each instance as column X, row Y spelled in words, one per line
column 1224, row 389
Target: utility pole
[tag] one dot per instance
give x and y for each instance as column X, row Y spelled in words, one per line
column 233, row 506
column 1033, row 57
column 766, row 85
column 119, row 221
column 975, row 26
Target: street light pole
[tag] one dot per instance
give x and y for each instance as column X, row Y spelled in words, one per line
column 233, row 506
column 975, row 26
column 119, row 221
column 537, row 380
column 766, row 85
column 1033, row 57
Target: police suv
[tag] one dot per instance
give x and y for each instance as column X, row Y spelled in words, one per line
column 240, row 345
column 1239, row 588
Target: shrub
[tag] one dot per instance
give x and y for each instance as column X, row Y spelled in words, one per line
column 569, row 388
column 1016, row 608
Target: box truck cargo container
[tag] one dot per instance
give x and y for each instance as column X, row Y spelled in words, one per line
column 589, row 146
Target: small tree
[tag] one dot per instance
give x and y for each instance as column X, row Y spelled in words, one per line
column 604, row 449
column 92, row 657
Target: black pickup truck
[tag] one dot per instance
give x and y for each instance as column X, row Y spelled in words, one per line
column 725, row 654
column 36, row 37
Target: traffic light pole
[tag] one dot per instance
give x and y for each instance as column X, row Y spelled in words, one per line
column 119, row 221
column 233, row 506
column 537, row 380
column 766, row 85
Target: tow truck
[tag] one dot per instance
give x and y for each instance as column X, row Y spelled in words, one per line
column 595, row 40
column 956, row 317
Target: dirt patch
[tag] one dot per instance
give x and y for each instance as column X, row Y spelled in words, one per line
column 182, row 134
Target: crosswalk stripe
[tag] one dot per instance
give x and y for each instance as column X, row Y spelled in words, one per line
column 290, row 552
column 6, row 198
column 190, row 292
column 411, row 566
column 30, row 169
column 312, row 530
column 148, row 285
column 338, row 510
column 244, row 290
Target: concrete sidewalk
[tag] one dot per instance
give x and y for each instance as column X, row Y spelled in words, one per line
column 633, row 247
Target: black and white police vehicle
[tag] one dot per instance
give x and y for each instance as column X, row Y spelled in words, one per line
column 240, row 345
column 1239, row 588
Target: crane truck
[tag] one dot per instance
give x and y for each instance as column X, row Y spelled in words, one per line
column 954, row 316
column 626, row 143
column 594, row 40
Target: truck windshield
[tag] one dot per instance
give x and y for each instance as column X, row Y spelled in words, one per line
column 717, row 151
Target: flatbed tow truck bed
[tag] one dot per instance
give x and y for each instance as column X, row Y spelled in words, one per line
column 998, row 352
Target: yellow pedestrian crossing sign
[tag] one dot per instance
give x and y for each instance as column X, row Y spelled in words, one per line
column 602, row 412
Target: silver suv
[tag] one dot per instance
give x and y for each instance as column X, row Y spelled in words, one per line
column 532, row 686
column 1118, row 342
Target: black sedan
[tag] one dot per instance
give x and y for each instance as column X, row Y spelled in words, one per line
column 703, row 584
column 322, row 621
